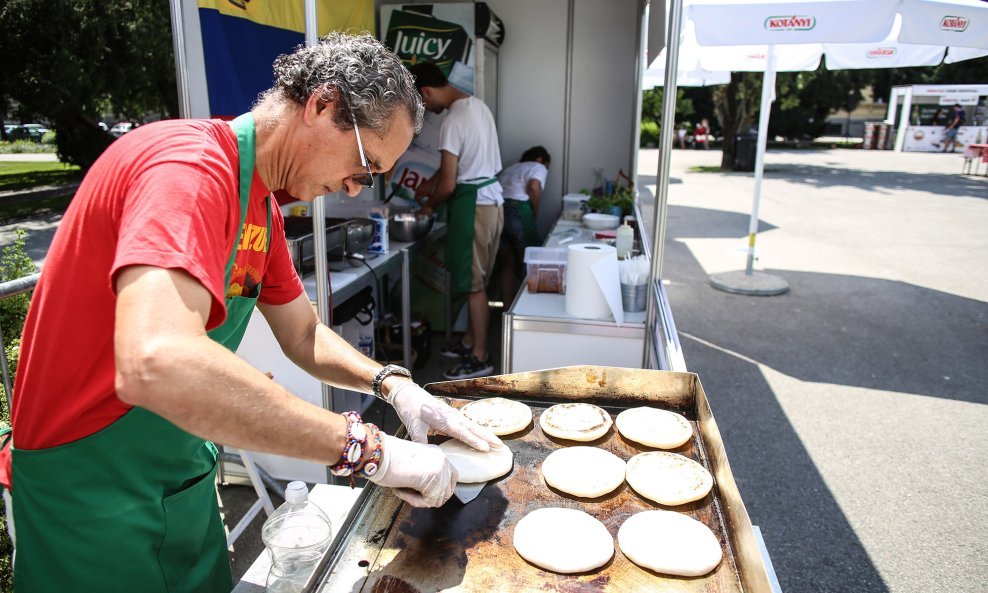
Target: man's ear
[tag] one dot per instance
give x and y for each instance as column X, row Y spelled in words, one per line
column 317, row 105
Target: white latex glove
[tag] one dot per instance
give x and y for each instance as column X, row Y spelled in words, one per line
column 419, row 410
column 421, row 475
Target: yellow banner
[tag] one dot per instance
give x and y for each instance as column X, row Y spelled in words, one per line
column 352, row 16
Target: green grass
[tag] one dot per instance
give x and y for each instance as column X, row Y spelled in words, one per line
column 705, row 169
column 23, row 175
column 24, row 209
column 26, row 146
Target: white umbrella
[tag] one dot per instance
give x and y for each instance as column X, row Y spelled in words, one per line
column 655, row 77
column 887, row 53
column 688, row 73
column 793, row 35
column 952, row 23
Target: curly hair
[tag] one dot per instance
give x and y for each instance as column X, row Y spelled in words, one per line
column 369, row 80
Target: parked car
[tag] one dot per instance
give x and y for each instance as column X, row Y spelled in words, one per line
column 122, row 127
column 27, row 132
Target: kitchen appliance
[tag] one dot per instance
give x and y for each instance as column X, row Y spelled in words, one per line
column 386, row 545
column 344, row 237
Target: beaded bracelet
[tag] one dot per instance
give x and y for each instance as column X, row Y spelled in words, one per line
column 358, row 435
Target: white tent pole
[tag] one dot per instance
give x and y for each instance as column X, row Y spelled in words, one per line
column 662, row 175
column 907, row 107
column 768, row 95
column 893, row 106
column 319, row 230
column 181, row 61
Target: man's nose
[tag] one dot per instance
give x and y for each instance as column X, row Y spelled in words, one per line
column 352, row 188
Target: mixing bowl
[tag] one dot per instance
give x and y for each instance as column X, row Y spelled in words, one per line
column 409, row 226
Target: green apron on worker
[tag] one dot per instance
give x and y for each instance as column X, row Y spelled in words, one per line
column 524, row 210
column 461, row 210
column 133, row 506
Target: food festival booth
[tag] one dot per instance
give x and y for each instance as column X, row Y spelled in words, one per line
column 567, row 75
column 911, row 109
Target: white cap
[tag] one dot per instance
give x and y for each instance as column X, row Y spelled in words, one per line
column 296, row 492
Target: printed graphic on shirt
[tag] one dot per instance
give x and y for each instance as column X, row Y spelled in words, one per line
column 245, row 279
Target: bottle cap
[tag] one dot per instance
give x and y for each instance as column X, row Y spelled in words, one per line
column 296, row 492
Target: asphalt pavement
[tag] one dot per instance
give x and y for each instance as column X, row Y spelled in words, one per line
column 853, row 408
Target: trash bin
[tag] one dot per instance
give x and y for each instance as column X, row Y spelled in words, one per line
column 745, row 147
column 870, row 129
column 882, row 143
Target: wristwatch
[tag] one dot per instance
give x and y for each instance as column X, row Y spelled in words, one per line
column 384, row 373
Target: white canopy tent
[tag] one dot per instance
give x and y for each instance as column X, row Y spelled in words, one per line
column 945, row 94
column 794, row 35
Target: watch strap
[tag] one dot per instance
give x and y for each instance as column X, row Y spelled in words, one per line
column 384, row 373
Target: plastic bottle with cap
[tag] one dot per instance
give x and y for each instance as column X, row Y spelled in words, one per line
column 296, row 536
column 625, row 239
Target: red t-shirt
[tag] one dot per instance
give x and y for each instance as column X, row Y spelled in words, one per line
column 164, row 195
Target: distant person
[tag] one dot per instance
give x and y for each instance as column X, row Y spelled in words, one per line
column 937, row 119
column 700, row 135
column 467, row 183
column 950, row 133
column 523, row 183
column 681, row 136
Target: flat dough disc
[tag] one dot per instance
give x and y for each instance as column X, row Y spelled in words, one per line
column 583, row 471
column 575, row 422
column 477, row 466
column 502, row 416
column 563, row 540
column 654, row 427
column 668, row 478
column 670, row 543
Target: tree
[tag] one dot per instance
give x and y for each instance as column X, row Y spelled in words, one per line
column 736, row 105
column 805, row 99
column 70, row 60
column 652, row 105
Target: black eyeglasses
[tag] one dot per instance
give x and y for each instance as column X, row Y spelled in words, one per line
column 362, row 179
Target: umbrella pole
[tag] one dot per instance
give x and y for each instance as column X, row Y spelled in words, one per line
column 765, row 111
column 750, row 282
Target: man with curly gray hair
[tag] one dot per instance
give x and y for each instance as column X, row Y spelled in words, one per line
column 128, row 368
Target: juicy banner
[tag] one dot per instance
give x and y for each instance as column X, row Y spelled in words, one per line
column 416, row 38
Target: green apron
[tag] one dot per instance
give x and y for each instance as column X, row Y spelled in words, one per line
column 131, row 507
column 524, row 210
column 461, row 210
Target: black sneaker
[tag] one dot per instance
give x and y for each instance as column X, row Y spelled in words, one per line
column 456, row 349
column 469, row 368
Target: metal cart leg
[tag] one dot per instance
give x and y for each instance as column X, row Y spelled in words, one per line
column 263, row 499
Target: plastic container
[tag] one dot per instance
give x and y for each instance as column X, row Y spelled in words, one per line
column 625, row 240
column 296, row 536
column 546, row 269
column 574, row 205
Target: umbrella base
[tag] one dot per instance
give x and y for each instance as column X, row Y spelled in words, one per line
column 754, row 284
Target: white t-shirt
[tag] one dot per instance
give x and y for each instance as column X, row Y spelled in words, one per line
column 515, row 179
column 469, row 133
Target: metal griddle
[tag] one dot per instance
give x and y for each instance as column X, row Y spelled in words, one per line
column 385, row 546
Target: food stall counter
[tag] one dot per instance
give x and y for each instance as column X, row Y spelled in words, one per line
column 540, row 334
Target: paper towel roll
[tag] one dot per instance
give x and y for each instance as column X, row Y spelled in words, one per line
column 593, row 290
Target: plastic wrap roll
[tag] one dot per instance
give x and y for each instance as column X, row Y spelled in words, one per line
column 593, row 290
